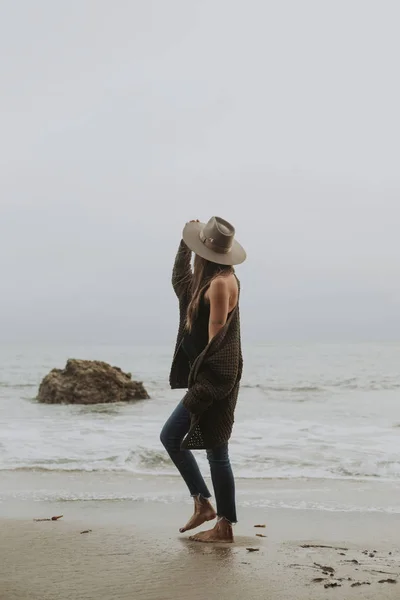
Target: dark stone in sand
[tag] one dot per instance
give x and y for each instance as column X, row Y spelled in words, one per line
column 89, row 382
column 388, row 581
column 332, row 585
column 359, row 583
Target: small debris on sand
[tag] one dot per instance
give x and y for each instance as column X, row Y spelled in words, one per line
column 326, row 569
column 354, row 561
column 253, row 549
column 86, row 531
column 319, row 546
column 388, row 581
column 332, row 585
column 52, row 519
column 260, row 535
column 359, row 583
column 261, row 526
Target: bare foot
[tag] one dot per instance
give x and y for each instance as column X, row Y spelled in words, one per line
column 203, row 511
column 221, row 533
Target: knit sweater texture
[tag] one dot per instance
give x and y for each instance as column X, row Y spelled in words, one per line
column 213, row 381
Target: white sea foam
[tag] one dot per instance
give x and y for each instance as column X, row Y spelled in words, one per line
column 307, row 411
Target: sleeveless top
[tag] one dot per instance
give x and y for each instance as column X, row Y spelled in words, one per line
column 196, row 339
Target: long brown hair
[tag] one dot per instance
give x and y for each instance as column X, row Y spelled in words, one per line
column 204, row 271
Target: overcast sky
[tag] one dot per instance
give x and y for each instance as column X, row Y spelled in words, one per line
column 120, row 120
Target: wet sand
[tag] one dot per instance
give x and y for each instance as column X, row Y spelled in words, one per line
column 134, row 551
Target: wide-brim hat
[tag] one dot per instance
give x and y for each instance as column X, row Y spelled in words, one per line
column 214, row 241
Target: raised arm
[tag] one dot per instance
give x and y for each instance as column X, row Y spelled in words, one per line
column 182, row 271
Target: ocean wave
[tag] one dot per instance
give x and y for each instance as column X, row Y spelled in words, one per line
column 384, row 469
column 371, row 386
column 61, row 468
column 142, row 460
column 152, row 459
column 166, row 468
column 247, row 499
column 118, row 497
column 321, row 506
column 17, row 386
column 351, row 383
column 284, row 388
column 347, row 384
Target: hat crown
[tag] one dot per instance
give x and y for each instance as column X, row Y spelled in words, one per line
column 218, row 234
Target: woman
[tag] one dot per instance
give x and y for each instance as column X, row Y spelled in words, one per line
column 208, row 363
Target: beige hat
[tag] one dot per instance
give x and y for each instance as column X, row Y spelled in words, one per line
column 214, row 241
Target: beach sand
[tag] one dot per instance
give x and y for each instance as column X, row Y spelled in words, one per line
column 134, row 551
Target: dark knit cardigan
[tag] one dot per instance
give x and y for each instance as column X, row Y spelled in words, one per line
column 213, row 380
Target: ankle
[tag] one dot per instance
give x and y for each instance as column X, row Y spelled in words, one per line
column 201, row 503
column 224, row 523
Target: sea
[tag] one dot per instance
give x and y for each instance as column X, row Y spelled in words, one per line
column 317, row 426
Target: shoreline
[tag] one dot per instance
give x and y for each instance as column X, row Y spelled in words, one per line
column 317, row 494
column 134, row 550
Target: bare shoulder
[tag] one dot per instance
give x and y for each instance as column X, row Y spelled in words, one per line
column 224, row 286
column 219, row 285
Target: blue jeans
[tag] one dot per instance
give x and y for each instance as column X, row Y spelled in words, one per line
column 171, row 437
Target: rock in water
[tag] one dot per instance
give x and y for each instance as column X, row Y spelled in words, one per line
column 89, row 382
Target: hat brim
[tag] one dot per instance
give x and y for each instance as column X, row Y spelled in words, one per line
column 191, row 237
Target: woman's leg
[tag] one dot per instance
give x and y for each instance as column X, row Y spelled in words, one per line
column 224, row 489
column 223, row 482
column 171, row 437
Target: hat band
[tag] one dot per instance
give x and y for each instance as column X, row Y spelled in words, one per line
column 211, row 244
